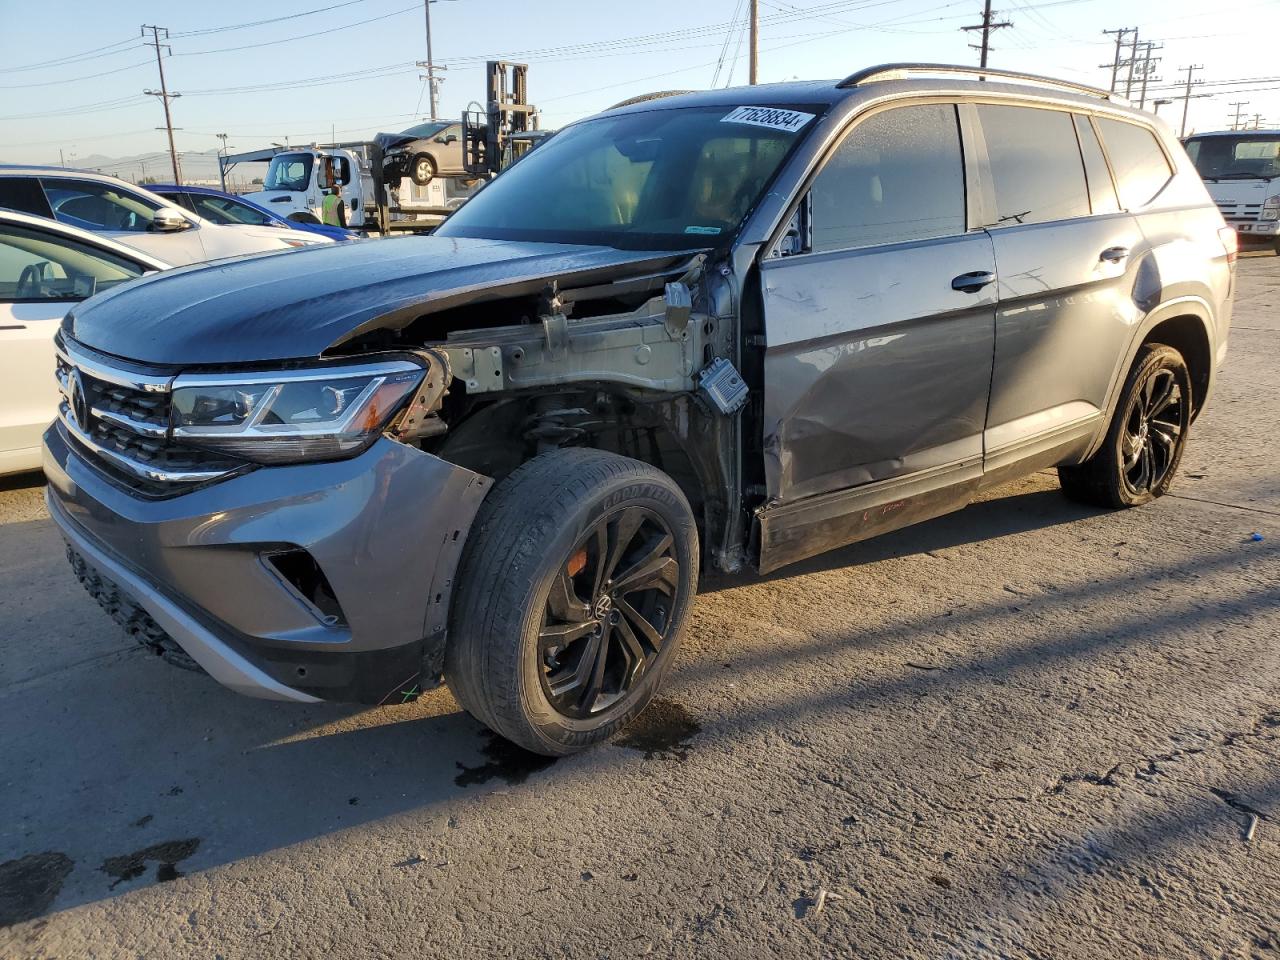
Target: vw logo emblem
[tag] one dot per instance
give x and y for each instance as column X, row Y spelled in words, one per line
column 604, row 606
column 78, row 402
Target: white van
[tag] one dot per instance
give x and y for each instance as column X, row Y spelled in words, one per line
column 136, row 217
column 1241, row 168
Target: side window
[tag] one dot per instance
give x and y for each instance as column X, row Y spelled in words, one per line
column 1102, row 191
column 1035, row 164
column 181, row 200
column 35, row 265
column 897, row 176
column 24, row 195
column 92, row 205
column 1140, row 165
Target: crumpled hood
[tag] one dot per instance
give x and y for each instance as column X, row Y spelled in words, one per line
column 297, row 304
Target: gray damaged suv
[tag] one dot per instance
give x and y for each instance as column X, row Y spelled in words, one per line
column 715, row 331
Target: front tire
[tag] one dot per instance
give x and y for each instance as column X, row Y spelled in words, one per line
column 1148, row 433
column 573, row 593
column 422, row 169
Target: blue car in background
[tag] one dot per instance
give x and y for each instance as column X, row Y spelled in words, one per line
column 227, row 208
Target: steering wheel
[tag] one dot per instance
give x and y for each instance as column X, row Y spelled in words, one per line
column 31, row 281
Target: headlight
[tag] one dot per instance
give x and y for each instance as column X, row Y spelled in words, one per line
column 291, row 416
column 1271, row 208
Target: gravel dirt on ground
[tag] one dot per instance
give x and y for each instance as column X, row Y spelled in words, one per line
column 1029, row 729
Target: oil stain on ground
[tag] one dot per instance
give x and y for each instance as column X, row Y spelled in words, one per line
column 665, row 729
column 504, row 761
column 30, row 884
column 168, row 855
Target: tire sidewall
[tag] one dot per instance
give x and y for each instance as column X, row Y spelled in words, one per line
column 561, row 733
column 1160, row 358
column 417, row 161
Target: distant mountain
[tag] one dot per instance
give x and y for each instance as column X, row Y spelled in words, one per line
column 154, row 167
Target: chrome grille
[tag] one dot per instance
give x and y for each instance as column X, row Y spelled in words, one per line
column 119, row 418
column 1239, row 212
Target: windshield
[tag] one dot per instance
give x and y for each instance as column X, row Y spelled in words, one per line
column 1236, row 158
column 288, row 171
column 424, row 130
column 673, row 179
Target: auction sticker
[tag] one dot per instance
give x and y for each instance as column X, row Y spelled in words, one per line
column 771, row 117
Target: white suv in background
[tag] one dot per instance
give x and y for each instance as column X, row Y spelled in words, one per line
column 135, row 217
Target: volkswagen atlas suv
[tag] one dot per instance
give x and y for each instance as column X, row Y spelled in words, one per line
column 719, row 331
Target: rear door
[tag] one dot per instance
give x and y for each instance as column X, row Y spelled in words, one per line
column 880, row 329
column 1067, row 257
column 42, row 274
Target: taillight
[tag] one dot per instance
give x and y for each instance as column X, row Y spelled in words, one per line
column 1230, row 242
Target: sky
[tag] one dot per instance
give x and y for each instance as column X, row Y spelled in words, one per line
column 297, row 71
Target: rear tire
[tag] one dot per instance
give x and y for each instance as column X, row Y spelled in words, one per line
column 574, row 590
column 1144, row 443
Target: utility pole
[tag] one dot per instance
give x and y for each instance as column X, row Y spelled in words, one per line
column 433, row 82
column 163, row 93
column 753, row 73
column 1257, row 121
column 1235, row 123
column 986, row 26
column 1148, row 68
column 1187, row 95
column 222, row 172
column 1133, row 59
column 1115, row 64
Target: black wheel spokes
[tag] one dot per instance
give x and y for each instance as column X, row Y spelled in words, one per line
column 1153, row 431
column 593, row 651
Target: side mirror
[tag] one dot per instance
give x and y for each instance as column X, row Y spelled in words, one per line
column 169, row 220
column 451, row 138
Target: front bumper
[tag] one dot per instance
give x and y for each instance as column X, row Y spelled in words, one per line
column 1257, row 231
column 386, row 529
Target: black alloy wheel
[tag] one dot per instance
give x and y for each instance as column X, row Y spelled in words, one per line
column 575, row 587
column 1152, row 434
column 1138, row 458
column 608, row 612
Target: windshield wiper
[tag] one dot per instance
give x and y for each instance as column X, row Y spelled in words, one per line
column 1245, row 176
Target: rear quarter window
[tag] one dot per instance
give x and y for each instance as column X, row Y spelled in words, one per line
column 1139, row 163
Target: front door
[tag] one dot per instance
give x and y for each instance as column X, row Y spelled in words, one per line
column 879, row 336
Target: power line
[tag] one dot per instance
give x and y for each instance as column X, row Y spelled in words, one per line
column 122, row 47
column 91, row 76
column 261, row 23
column 301, row 36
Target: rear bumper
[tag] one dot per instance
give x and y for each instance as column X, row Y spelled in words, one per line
column 385, row 529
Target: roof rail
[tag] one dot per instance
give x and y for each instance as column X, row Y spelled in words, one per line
column 893, row 71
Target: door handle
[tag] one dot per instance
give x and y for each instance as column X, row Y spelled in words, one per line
column 1114, row 254
column 281, row 199
column 973, row 282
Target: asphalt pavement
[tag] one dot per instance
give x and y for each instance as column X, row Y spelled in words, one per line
column 1029, row 729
